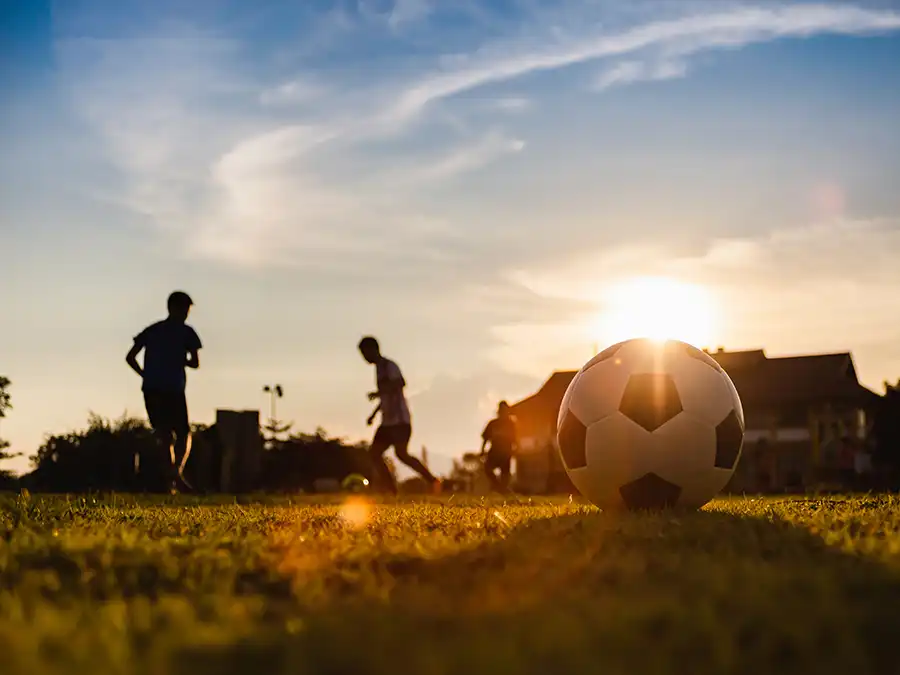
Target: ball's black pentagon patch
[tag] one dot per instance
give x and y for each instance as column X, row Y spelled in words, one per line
column 701, row 356
column 729, row 439
column 650, row 399
column 607, row 353
column 571, row 437
column 650, row 492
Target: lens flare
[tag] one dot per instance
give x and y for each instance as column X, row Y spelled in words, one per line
column 356, row 512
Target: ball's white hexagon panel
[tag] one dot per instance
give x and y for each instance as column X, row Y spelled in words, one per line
column 704, row 358
column 685, row 454
column 705, row 393
column 599, row 390
column 608, row 353
column 738, row 406
column 617, row 451
column 644, row 355
column 567, row 399
column 700, row 355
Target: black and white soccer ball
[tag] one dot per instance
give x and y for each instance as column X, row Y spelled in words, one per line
column 650, row 425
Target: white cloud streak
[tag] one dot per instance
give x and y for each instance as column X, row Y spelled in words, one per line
column 295, row 92
column 203, row 155
column 469, row 158
column 685, row 35
column 629, row 72
column 408, row 11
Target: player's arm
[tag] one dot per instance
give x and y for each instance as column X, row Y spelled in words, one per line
column 486, row 437
column 193, row 359
column 131, row 357
column 372, row 416
column 193, row 349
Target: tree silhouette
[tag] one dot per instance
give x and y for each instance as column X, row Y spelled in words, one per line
column 299, row 461
column 104, row 457
column 122, row 456
column 7, row 479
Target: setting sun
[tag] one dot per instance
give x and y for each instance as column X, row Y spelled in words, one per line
column 658, row 308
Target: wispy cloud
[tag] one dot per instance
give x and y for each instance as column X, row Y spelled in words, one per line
column 469, row 158
column 690, row 34
column 247, row 172
column 294, row 92
column 512, row 104
column 628, row 72
column 408, row 11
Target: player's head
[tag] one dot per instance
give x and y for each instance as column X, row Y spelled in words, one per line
column 179, row 305
column 369, row 349
column 503, row 409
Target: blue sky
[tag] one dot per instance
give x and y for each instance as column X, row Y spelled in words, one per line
column 469, row 182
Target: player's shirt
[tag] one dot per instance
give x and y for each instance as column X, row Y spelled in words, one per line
column 166, row 345
column 394, row 408
column 501, row 434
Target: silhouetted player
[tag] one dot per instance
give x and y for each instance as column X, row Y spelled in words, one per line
column 170, row 345
column 503, row 437
column 396, row 426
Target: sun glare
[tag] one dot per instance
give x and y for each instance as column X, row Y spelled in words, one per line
column 659, row 308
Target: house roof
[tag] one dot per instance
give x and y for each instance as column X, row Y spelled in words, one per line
column 549, row 396
column 793, row 379
column 761, row 382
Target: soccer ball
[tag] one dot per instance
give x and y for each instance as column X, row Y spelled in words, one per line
column 650, row 425
column 355, row 482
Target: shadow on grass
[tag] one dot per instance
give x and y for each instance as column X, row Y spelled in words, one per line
column 706, row 592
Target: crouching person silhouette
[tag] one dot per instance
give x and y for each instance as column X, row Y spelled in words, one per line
column 502, row 436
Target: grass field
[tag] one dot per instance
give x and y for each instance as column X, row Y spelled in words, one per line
column 125, row 585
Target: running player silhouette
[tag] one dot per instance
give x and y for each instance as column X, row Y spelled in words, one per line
column 396, row 425
column 169, row 347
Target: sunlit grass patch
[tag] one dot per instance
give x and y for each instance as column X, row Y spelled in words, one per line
column 286, row 585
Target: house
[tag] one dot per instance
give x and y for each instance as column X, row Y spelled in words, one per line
column 805, row 417
column 538, row 466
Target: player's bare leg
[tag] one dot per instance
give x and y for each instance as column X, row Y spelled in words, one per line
column 491, row 476
column 505, row 476
column 382, row 474
column 181, row 452
column 166, row 452
column 414, row 463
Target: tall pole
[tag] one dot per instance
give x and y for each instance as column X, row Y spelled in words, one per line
column 272, row 416
column 274, row 391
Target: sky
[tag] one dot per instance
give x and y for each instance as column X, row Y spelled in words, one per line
column 493, row 189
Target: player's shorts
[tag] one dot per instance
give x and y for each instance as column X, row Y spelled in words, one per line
column 393, row 434
column 498, row 459
column 167, row 411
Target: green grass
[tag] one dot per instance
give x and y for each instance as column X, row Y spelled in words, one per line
column 120, row 585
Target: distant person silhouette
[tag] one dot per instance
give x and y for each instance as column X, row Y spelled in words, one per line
column 396, row 426
column 501, row 434
column 170, row 345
